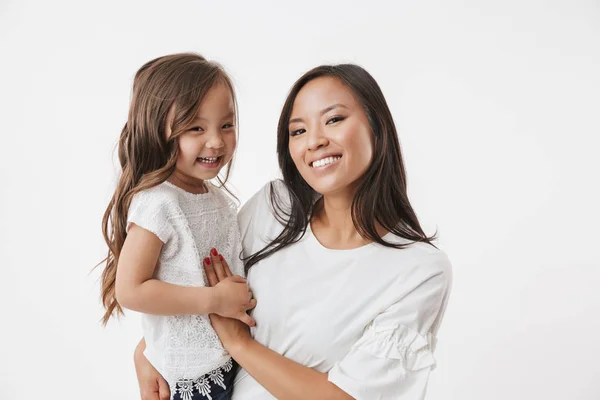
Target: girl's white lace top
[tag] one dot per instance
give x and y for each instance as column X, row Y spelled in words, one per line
column 186, row 347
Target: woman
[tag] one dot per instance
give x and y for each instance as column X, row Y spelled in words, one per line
column 350, row 290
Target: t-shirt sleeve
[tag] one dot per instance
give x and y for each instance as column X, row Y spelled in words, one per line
column 394, row 356
column 256, row 219
column 151, row 211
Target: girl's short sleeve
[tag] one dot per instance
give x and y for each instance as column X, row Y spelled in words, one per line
column 151, row 210
column 394, row 356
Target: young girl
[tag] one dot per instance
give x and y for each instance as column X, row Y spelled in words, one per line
column 164, row 217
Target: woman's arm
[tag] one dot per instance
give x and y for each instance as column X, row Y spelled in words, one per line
column 152, row 385
column 282, row 377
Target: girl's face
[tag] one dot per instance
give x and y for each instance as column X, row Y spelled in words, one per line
column 208, row 143
column 330, row 137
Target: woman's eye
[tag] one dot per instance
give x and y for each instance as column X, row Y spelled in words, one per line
column 333, row 120
column 297, row 132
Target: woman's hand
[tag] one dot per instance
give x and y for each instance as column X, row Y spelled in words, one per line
column 232, row 332
column 152, row 385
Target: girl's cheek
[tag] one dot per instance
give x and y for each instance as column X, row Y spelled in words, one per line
column 233, row 142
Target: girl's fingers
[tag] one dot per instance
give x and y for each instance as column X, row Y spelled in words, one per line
column 217, row 265
column 210, row 272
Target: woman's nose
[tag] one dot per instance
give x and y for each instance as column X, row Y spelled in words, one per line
column 316, row 139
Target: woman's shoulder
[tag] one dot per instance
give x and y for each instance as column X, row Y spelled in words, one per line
column 417, row 258
column 261, row 203
column 419, row 274
column 261, row 218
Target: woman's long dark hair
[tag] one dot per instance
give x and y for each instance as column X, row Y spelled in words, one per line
column 381, row 195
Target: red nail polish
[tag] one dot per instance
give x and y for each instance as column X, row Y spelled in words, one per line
column 207, row 261
column 221, row 258
column 214, row 252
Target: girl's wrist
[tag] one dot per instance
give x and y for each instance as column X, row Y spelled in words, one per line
column 216, row 298
column 207, row 300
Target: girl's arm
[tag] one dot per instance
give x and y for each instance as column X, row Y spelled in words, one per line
column 137, row 290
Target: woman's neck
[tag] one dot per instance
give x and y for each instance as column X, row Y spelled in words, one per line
column 187, row 183
column 332, row 223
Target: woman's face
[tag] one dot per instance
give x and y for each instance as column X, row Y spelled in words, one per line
column 330, row 136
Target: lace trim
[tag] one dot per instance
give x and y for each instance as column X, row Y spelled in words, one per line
column 185, row 387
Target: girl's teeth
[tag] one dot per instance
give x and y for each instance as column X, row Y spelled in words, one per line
column 325, row 161
column 208, row 160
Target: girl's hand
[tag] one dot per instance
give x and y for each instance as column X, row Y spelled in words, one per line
column 231, row 331
column 152, row 385
column 234, row 298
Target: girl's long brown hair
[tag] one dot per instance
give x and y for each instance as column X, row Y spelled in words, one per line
column 381, row 197
column 166, row 90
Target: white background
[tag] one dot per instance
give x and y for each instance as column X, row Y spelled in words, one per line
column 497, row 104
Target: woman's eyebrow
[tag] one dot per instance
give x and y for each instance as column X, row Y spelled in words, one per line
column 327, row 109
column 323, row 111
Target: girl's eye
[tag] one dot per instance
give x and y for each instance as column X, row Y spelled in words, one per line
column 297, row 132
column 227, row 126
column 333, row 120
column 197, row 129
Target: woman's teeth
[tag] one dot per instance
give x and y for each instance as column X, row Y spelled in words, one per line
column 208, row 160
column 325, row 161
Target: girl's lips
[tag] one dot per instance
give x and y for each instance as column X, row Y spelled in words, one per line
column 207, row 163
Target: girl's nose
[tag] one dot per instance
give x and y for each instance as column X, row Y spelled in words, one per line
column 215, row 141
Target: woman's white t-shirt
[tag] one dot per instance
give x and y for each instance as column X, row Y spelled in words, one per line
column 368, row 316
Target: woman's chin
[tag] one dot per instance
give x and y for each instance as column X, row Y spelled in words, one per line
column 328, row 187
column 334, row 185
